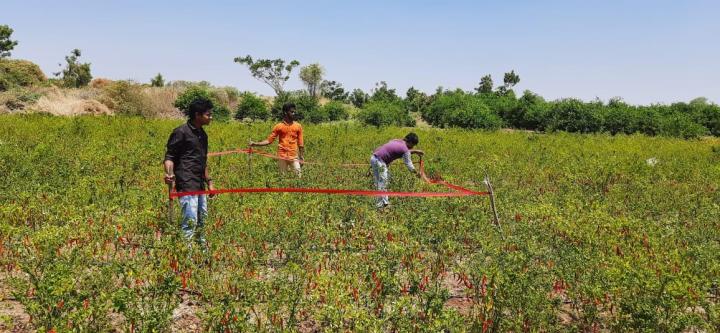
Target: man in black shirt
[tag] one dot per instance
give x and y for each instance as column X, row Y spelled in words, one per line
column 186, row 165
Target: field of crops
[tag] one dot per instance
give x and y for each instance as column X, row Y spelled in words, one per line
column 599, row 233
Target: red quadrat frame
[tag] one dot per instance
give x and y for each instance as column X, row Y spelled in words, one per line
column 458, row 191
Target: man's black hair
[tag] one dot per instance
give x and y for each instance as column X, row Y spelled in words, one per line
column 412, row 138
column 199, row 106
column 287, row 107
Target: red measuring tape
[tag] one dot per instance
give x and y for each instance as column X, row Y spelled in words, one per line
column 460, row 191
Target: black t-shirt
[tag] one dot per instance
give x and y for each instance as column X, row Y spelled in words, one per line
column 187, row 147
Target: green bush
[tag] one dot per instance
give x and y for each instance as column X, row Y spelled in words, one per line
column 304, row 104
column 21, row 73
column 221, row 113
column 618, row 117
column 681, row 126
column 572, row 115
column 704, row 113
column 385, row 113
column 195, row 93
column 75, row 74
column 336, row 111
column 527, row 112
column 253, row 107
column 459, row 109
column 317, row 115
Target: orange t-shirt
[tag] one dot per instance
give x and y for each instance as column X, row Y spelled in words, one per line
column 289, row 137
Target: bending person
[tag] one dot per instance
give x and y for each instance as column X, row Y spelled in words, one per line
column 385, row 154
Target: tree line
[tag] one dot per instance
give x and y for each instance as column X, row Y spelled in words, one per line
column 485, row 107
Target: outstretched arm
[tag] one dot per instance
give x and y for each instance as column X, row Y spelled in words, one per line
column 260, row 143
column 267, row 141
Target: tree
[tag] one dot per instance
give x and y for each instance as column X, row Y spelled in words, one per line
column 358, row 98
column 415, row 100
column 311, row 76
column 253, row 107
column 192, row 94
column 273, row 72
column 385, row 113
column 75, row 74
column 383, row 93
column 6, row 45
column 509, row 80
column 157, row 81
column 334, row 91
column 486, row 85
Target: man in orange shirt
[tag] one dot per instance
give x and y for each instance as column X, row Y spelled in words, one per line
column 291, row 148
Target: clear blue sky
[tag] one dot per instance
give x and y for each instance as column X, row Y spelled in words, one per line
column 644, row 51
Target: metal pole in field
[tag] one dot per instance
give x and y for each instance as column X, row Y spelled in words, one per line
column 170, row 204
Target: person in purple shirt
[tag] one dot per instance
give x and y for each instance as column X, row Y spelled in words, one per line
column 385, row 154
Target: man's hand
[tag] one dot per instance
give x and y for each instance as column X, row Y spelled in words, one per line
column 169, row 179
column 211, row 187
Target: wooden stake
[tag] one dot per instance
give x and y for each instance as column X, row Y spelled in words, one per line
column 492, row 204
column 170, row 204
column 249, row 159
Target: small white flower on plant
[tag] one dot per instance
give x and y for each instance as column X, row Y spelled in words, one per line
column 651, row 161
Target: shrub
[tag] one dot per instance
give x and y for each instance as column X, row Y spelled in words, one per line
column 194, row 93
column 618, row 117
column 126, row 98
column 681, row 126
column 336, row 111
column 157, row 81
column 458, row 109
column 385, row 113
column 706, row 114
column 17, row 98
column 100, row 83
column 358, row 98
column 221, row 113
column 572, row 115
column 503, row 104
column 317, row 115
column 304, row 103
column 527, row 112
column 21, row 73
column 253, row 107
column 75, row 74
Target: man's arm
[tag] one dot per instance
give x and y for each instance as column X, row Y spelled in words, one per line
column 261, row 143
column 301, row 144
column 209, row 180
column 408, row 162
column 267, row 141
column 169, row 167
column 173, row 150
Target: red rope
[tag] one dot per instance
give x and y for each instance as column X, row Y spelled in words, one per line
column 459, row 190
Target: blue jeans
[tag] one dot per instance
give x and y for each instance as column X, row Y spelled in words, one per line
column 381, row 176
column 194, row 213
